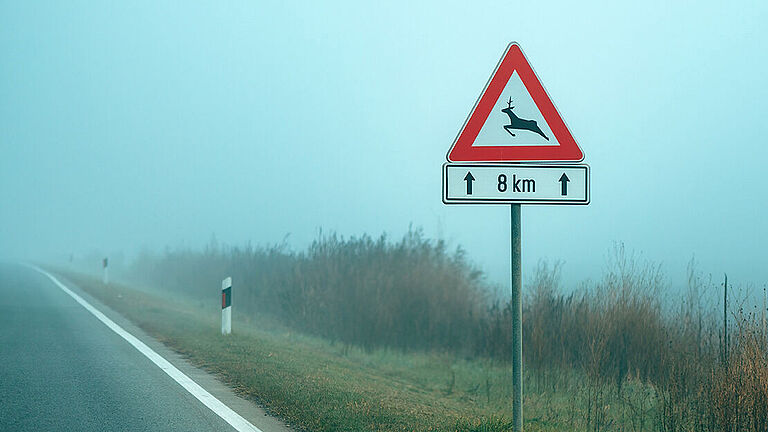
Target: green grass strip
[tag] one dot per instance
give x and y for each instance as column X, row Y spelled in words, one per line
column 320, row 386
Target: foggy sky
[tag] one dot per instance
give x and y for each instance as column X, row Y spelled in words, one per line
column 151, row 124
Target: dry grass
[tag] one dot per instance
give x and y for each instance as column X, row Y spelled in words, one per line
column 738, row 387
column 410, row 294
column 643, row 361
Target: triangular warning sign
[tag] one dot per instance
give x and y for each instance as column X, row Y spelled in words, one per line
column 514, row 120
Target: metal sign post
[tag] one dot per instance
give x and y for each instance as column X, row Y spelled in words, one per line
column 514, row 121
column 517, row 320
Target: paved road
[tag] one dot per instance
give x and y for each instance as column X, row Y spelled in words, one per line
column 62, row 369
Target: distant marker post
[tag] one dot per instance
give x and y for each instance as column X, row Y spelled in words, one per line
column 226, row 306
column 105, row 265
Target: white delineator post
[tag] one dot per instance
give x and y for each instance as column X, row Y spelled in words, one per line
column 105, row 264
column 226, row 306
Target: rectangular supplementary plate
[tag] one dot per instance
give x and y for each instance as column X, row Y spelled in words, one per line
column 515, row 184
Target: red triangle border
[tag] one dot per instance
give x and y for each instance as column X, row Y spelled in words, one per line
column 463, row 150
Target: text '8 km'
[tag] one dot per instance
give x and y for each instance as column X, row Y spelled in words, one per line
column 505, row 184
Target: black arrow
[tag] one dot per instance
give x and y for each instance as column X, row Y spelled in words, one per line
column 469, row 179
column 564, row 184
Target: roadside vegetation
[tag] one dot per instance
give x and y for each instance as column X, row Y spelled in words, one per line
column 373, row 334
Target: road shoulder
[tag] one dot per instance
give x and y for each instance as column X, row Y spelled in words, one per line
column 244, row 407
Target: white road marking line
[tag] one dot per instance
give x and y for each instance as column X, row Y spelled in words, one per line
column 226, row 413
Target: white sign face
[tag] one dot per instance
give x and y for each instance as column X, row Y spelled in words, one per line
column 515, row 184
column 515, row 106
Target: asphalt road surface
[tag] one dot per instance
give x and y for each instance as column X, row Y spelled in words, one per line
column 61, row 369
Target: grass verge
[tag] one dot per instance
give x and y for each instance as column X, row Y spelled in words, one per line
column 321, row 386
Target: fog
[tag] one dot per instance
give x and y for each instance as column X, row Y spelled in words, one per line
column 148, row 125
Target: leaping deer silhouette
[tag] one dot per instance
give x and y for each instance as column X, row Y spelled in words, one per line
column 516, row 122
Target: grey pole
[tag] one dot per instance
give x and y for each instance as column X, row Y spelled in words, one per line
column 517, row 321
column 725, row 320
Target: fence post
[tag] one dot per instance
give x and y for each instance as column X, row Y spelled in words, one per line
column 725, row 320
